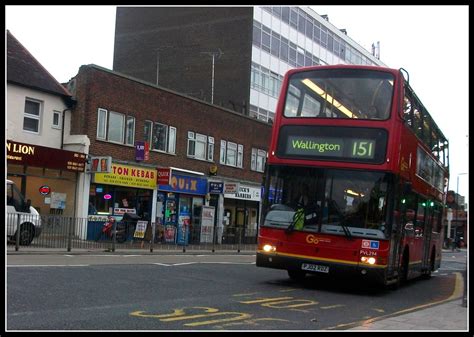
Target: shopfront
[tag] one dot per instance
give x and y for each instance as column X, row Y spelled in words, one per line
column 125, row 189
column 241, row 214
column 179, row 207
column 47, row 176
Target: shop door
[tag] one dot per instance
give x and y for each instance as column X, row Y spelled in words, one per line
column 241, row 220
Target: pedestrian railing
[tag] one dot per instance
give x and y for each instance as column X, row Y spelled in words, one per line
column 69, row 233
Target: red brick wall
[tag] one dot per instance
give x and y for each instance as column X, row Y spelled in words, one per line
column 101, row 88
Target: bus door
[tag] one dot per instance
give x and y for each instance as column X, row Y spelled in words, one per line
column 395, row 234
column 427, row 236
column 416, row 254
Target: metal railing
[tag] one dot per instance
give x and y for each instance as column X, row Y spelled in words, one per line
column 70, row 233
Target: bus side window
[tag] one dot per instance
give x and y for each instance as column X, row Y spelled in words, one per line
column 408, row 112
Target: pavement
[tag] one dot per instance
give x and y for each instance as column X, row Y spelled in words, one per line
column 449, row 315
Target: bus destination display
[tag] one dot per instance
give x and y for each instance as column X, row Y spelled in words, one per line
column 330, row 143
column 331, row 147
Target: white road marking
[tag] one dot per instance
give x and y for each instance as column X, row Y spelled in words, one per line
column 48, row 265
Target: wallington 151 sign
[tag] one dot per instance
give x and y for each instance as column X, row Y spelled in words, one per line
column 41, row 156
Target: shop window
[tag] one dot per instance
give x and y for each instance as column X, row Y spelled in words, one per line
column 32, row 115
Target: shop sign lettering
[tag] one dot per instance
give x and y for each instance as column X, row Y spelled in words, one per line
column 245, row 193
column 186, row 184
column 125, row 175
column 41, row 156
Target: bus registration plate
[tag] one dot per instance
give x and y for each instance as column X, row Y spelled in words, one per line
column 315, row 267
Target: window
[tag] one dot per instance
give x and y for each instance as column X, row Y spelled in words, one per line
column 130, row 136
column 232, row 154
column 101, row 123
column 258, row 160
column 56, row 120
column 147, row 131
column 32, row 116
column 200, row 146
column 161, row 137
column 115, row 127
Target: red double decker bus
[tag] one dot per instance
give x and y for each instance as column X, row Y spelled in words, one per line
column 356, row 177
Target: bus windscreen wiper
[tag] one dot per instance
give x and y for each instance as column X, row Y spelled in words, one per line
column 346, row 230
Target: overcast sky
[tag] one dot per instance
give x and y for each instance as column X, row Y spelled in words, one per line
column 430, row 42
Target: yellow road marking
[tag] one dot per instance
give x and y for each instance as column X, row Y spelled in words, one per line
column 262, row 300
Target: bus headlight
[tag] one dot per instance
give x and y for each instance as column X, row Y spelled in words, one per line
column 369, row 260
column 269, row 248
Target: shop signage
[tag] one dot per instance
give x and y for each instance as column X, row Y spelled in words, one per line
column 142, row 151
column 245, row 193
column 231, row 187
column 130, row 176
column 163, row 176
column 186, row 184
column 44, row 190
column 122, row 211
column 101, row 164
column 207, row 224
column 41, row 156
column 216, row 187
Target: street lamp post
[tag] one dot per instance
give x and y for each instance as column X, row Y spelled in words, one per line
column 457, row 207
column 457, row 187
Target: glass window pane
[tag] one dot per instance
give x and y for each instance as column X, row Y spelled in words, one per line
column 130, row 131
column 147, row 131
column 30, row 124
column 160, row 137
column 116, row 127
column 32, row 108
column 172, row 140
column 101, row 123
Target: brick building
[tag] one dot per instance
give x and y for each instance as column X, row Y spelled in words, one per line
column 191, row 136
column 246, row 50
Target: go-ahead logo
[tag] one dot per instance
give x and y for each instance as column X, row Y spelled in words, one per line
column 315, row 240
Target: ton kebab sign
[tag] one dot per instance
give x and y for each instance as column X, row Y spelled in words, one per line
column 130, row 176
column 41, row 156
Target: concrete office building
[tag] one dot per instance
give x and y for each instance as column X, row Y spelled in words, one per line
column 230, row 56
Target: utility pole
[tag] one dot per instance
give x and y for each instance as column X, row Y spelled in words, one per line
column 213, row 54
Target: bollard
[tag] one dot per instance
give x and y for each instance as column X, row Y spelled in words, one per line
column 69, row 234
column 17, row 244
column 114, row 235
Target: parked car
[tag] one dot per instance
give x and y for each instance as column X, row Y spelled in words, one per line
column 20, row 212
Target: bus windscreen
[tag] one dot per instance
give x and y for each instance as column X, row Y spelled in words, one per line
column 340, row 93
